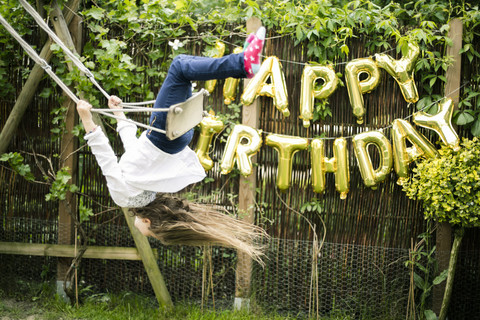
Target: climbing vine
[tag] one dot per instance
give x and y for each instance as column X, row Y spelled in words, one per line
column 326, row 29
column 130, row 43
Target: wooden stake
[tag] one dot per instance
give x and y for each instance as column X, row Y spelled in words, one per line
column 444, row 230
column 246, row 196
column 149, row 262
column 68, row 207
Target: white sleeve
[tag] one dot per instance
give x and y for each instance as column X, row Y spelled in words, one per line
column 108, row 163
column 128, row 133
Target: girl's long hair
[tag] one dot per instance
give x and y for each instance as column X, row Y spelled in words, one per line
column 177, row 221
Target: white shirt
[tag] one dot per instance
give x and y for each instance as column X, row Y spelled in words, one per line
column 143, row 169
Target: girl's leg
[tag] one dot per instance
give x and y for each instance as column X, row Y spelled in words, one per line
column 185, row 68
column 177, row 86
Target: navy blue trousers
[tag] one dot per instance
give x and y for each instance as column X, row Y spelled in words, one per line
column 177, row 88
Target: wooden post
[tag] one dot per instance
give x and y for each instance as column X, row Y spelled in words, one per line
column 66, row 208
column 444, row 230
column 28, row 90
column 246, row 197
column 149, row 262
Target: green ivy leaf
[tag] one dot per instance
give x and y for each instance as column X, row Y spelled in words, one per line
column 418, row 281
column 95, row 13
column 430, row 315
column 85, row 213
column 15, row 160
column 46, row 92
column 441, row 277
column 475, row 130
column 464, row 118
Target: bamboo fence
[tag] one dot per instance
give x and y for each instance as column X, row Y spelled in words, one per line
column 366, row 235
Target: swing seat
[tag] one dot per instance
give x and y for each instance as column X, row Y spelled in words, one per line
column 182, row 117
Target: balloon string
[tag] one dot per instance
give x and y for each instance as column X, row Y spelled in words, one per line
column 296, row 62
column 230, row 123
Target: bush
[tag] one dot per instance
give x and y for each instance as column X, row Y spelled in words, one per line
column 449, row 185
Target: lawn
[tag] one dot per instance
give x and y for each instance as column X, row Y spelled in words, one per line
column 121, row 307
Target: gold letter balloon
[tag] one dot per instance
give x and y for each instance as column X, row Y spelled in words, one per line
column 220, row 48
column 308, row 93
column 276, row 89
column 356, row 87
column 338, row 165
column 441, row 123
column 208, row 127
column 402, row 70
column 242, row 143
column 361, row 142
column 421, row 147
column 286, row 147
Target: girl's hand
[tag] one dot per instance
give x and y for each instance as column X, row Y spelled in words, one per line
column 114, row 102
column 83, row 109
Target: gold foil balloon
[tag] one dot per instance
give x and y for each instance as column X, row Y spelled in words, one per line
column 441, row 123
column 308, row 93
column 361, row 142
column 242, row 143
column 208, row 127
column 271, row 69
column 356, row 87
column 338, row 165
column 402, row 70
column 231, row 85
column 286, row 147
column 421, row 147
column 220, row 47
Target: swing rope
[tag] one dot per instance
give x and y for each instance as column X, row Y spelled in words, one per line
column 71, row 55
column 106, row 112
column 38, row 59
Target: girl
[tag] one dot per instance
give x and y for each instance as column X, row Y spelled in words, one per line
column 153, row 165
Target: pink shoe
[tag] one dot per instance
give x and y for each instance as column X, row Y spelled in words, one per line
column 253, row 49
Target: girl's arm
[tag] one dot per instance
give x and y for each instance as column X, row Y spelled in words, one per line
column 127, row 130
column 104, row 155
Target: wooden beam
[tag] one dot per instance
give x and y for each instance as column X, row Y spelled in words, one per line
column 444, row 230
column 68, row 251
column 67, row 208
column 26, row 95
column 149, row 262
column 246, row 196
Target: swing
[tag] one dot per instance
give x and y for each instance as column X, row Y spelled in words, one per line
column 181, row 117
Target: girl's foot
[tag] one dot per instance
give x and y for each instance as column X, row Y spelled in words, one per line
column 253, row 49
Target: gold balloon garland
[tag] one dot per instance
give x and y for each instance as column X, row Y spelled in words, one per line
column 244, row 141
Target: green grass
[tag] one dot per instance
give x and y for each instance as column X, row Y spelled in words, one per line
column 122, row 307
column 125, row 307
column 38, row 301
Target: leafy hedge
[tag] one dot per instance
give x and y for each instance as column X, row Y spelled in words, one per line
column 325, row 28
column 449, row 185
